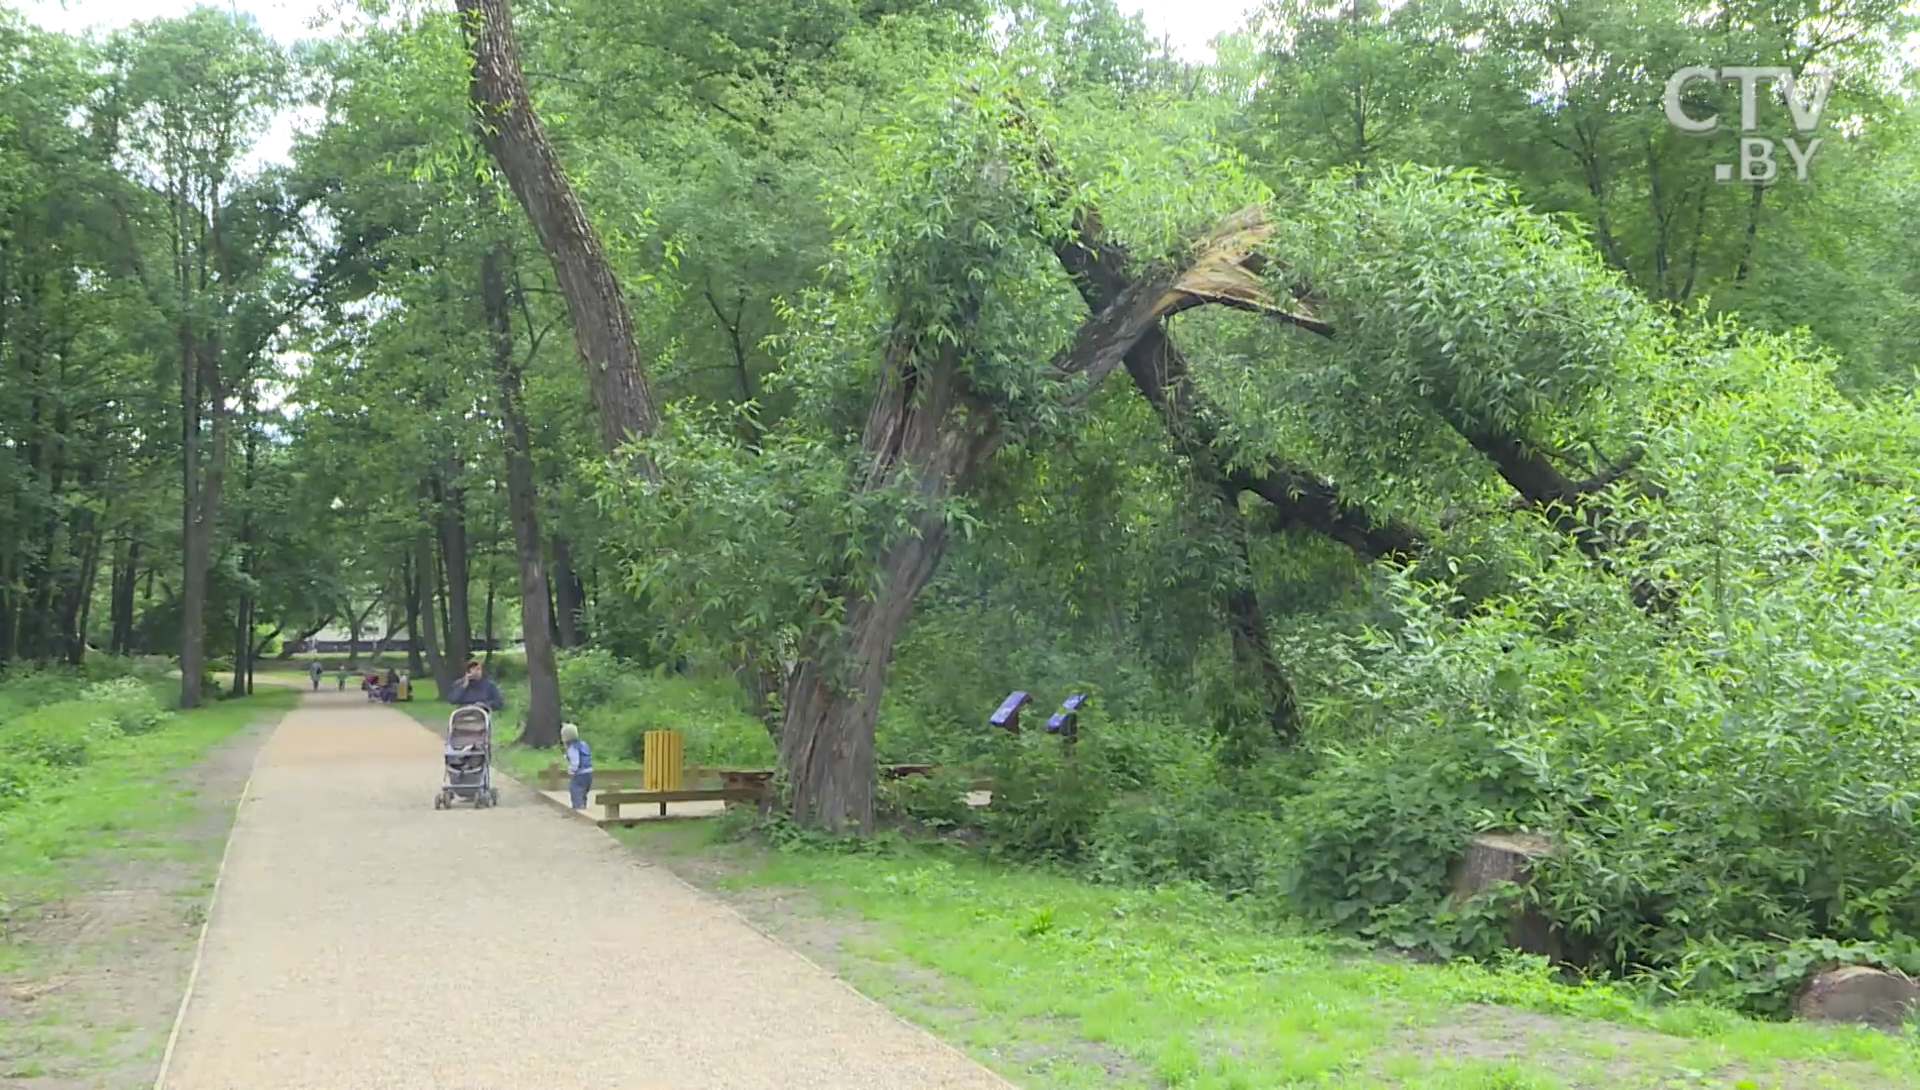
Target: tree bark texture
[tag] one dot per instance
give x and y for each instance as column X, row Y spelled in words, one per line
column 443, row 673
column 929, row 432
column 453, row 558
column 918, row 434
column 568, row 595
column 602, row 323
column 541, row 725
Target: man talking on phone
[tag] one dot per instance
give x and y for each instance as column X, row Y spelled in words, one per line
column 476, row 688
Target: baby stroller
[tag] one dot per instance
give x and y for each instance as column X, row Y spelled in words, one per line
column 469, row 760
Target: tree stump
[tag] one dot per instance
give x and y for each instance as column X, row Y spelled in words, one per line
column 1858, row 993
column 1507, row 857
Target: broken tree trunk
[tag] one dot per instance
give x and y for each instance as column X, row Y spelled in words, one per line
column 927, row 434
column 1299, row 497
column 1493, row 858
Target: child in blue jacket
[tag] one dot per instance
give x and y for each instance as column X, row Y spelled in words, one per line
column 579, row 765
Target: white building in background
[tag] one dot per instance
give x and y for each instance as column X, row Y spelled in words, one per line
column 337, row 640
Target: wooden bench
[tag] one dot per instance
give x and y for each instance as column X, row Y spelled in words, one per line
column 610, row 802
column 554, row 777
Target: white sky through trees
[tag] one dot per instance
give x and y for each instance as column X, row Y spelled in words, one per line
column 1189, row 24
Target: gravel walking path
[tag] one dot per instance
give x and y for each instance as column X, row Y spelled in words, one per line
column 362, row 939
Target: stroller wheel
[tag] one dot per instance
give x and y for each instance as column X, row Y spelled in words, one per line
column 493, row 796
column 440, row 801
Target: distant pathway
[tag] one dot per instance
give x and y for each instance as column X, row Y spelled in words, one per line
column 362, row 939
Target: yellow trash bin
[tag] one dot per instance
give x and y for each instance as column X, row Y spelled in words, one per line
column 662, row 761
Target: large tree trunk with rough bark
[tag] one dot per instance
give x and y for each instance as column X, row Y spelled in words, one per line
column 928, row 434
column 602, row 324
column 541, row 725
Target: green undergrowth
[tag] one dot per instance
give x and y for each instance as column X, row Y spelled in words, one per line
column 1065, row 984
column 93, row 786
column 614, row 704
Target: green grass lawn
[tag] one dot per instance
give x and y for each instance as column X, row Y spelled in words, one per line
column 1063, row 984
column 104, row 878
column 112, row 804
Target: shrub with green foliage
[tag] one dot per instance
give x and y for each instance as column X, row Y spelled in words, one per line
column 614, row 703
column 1731, row 780
column 43, row 736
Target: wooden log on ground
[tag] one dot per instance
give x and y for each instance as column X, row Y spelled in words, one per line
column 1492, row 858
column 1860, row 994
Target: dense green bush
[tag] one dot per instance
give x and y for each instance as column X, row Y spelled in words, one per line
column 614, row 703
column 51, row 720
column 936, row 802
column 1045, row 806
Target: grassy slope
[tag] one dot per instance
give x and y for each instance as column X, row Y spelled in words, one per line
column 128, row 837
column 1069, row 985
column 110, row 802
column 111, row 805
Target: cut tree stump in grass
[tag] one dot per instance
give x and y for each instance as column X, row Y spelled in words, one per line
column 1492, row 858
column 1858, row 993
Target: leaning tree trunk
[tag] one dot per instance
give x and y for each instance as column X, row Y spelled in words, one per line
column 602, row 325
column 927, row 434
column 541, row 725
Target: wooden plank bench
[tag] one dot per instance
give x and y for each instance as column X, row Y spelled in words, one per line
column 554, row 777
column 610, row 802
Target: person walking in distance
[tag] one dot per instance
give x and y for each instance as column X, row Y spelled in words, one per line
column 314, row 670
column 579, row 765
column 476, row 688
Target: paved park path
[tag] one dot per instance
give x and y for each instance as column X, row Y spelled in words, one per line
column 361, row 939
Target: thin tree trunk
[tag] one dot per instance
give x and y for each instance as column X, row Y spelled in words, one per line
column 423, row 580
column 356, row 624
column 190, row 622
column 541, row 724
column 83, row 600
column 127, row 580
column 242, row 644
column 243, row 634
column 488, row 625
column 568, row 594
column 602, row 324
column 453, row 545
column 197, row 578
column 410, row 575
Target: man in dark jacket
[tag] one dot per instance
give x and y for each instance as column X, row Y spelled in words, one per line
column 476, row 688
